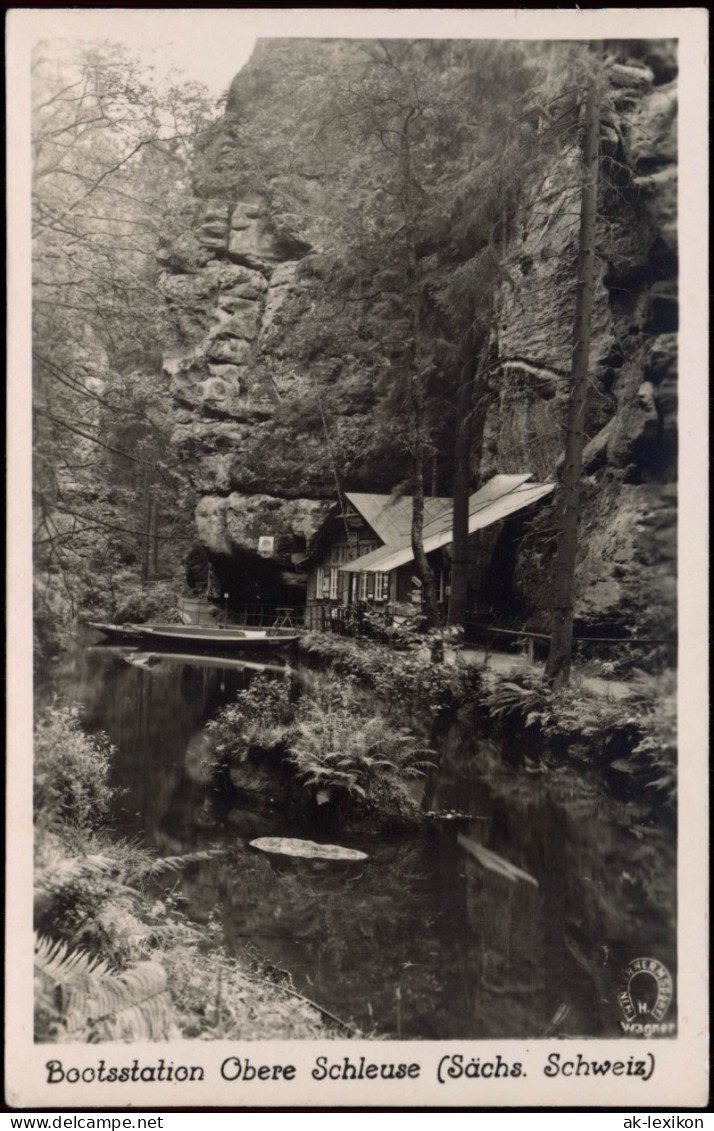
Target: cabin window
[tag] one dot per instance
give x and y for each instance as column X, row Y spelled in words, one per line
column 322, row 584
column 333, row 584
column 381, row 586
column 363, row 586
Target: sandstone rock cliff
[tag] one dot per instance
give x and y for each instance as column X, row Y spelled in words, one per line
column 263, row 422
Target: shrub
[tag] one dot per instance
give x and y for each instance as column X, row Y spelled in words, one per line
column 634, row 741
column 339, row 749
column 132, row 601
column 261, row 716
column 435, row 687
column 328, row 739
column 71, row 779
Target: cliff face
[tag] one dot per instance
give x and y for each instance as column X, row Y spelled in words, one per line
column 266, row 417
column 627, row 557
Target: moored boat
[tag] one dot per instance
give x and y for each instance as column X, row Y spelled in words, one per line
column 214, row 637
column 125, row 632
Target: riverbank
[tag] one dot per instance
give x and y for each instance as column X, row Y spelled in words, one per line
column 226, row 934
column 116, row 958
column 624, row 729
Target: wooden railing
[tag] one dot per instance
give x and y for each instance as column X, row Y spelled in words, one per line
column 482, row 634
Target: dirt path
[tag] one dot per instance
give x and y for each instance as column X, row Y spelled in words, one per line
column 504, row 663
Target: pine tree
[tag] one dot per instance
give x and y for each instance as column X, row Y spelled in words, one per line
column 561, row 642
column 110, row 169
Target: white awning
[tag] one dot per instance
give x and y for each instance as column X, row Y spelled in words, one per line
column 501, row 497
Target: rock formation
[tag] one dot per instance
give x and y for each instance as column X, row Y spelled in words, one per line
column 264, row 424
column 626, row 569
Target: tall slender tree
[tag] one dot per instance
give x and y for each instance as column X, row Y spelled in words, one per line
column 561, row 641
column 111, row 157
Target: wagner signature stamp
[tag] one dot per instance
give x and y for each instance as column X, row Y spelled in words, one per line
column 645, row 995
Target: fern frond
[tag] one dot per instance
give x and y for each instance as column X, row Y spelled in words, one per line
column 89, row 1001
column 56, row 962
column 151, row 868
column 68, row 870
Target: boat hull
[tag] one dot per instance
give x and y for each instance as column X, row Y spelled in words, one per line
column 214, row 639
column 121, row 632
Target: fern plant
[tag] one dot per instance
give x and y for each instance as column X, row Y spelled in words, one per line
column 509, row 700
column 336, row 748
column 81, row 998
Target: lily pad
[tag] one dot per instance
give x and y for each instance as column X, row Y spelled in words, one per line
column 307, row 849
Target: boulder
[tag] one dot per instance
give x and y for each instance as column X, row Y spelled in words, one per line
column 254, row 245
column 225, row 523
column 281, row 282
column 235, row 351
column 249, row 517
column 239, row 322
column 658, row 193
column 653, row 133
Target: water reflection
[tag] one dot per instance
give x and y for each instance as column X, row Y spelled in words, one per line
column 153, row 708
column 427, row 938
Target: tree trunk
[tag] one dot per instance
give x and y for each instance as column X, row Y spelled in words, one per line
column 146, row 538
column 459, row 581
column 561, row 640
column 416, row 396
column 470, row 380
column 424, row 570
column 156, row 520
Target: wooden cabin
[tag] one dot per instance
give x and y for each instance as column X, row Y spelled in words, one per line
column 364, row 523
column 363, row 551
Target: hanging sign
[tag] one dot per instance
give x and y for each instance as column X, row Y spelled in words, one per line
column 266, row 544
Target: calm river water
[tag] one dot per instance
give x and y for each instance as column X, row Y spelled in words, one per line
column 428, row 938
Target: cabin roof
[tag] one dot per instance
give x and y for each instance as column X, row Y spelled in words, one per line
column 502, row 496
column 390, row 516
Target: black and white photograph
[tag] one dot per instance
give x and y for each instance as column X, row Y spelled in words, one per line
column 358, row 630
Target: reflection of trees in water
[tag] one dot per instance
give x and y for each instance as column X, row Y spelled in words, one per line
column 366, row 940
column 427, row 942
column 150, row 714
column 606, row 893
column 421, row 940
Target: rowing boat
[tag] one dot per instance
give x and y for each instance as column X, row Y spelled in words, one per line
column 214, row 637
column 125, row 632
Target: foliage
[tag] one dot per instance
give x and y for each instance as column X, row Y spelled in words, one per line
column 329, row 739
column 153, row 601
column 71, row 782
column 340, row 746
column 80, row 998
column 110, row 159
column 115, row 958
column 261, row 716
column 634, row 742
column 398, row 678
